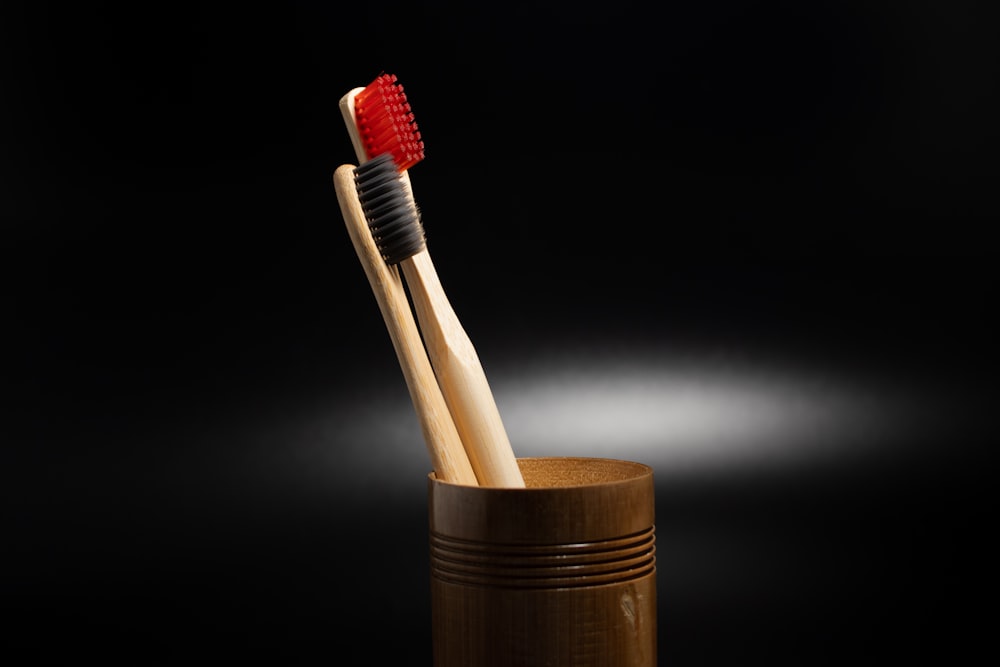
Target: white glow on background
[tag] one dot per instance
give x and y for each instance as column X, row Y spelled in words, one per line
column 682, row 413
column 690, row 414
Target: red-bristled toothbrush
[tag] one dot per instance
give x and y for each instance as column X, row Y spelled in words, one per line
column 384, row 133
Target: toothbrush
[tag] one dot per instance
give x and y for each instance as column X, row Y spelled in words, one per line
column 380, row 121
column 448, row 458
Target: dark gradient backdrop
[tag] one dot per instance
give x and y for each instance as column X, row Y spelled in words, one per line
column 746, row 243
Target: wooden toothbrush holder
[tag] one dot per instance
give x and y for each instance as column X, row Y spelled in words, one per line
column 559, row 573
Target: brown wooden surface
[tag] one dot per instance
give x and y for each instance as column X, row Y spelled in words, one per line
column 560, row 573
column 566, row 499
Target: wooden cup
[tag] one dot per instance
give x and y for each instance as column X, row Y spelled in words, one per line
column 559, row 573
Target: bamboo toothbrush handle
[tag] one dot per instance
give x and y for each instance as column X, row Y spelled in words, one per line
column 461, row 377
column 444, row 445
column 346, row 105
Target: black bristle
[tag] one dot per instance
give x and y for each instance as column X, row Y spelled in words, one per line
column 392, row 216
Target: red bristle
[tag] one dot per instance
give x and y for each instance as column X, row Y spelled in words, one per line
column 386, row 122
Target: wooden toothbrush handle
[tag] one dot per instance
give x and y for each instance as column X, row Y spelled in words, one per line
column 444, row 445
column 461, row 377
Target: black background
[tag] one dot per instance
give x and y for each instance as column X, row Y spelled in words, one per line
column 811, row 183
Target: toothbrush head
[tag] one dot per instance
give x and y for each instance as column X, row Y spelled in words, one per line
column 386, row 122
column 392, row 215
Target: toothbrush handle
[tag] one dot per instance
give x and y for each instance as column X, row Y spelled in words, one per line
column 448, row 458
column 461, row 377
